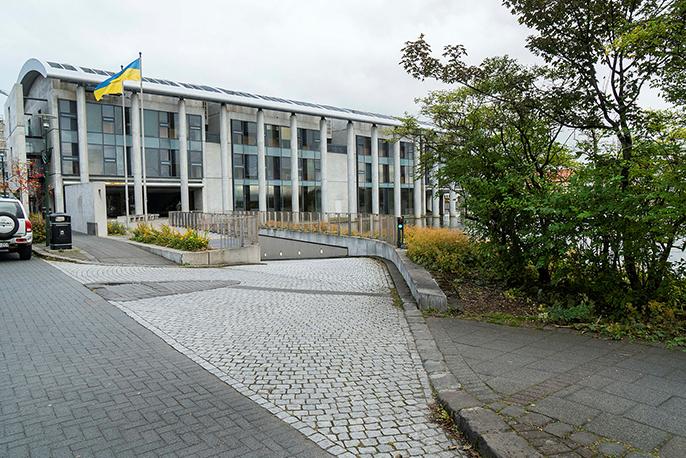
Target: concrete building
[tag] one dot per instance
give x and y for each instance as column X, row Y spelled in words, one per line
column 210, row 149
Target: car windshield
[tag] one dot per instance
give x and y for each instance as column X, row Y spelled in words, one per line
column 7, row 206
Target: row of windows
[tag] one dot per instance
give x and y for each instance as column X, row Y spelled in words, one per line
column 107, row 145
column 279, row 198
column 277, row 168
column 245, row 133
column 364, row 148
column 386, row 201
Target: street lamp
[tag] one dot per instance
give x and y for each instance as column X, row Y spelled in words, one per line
column 46, row 158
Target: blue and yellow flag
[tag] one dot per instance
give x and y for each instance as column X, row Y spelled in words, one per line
column 115, row 83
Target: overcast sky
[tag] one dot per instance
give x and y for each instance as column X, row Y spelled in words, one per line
column 343, row 53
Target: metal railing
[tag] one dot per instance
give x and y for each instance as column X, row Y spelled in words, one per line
column 379, row 227
column 240, row 228
column 225, row 230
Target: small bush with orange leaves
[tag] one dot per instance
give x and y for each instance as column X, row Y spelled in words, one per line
column 441, row 250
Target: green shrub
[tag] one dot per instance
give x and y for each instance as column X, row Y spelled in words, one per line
column 115, row 228
column 38, row 227
column 559, row 313
column 171, row 238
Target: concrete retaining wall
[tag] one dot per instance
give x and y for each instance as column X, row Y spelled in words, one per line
column 424, row 288
column 232, row 257
column 276, row 248
column 85, row 203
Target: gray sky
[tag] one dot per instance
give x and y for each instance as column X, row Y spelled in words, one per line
column 342, row 53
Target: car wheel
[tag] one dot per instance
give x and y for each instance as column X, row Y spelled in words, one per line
column 9, row 225
column 25, row 253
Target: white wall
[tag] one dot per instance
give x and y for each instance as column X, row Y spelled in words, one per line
column 337, row 166
column 213, row 178
column 86, row 203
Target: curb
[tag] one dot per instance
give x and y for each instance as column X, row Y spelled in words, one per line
column 485, row 430
column 42, row 253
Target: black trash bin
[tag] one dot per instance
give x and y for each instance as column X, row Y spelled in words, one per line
column 60, row 231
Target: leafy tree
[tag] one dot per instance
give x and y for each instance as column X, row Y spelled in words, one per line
column 603, row 78
column 611, row 229
column 491, row 137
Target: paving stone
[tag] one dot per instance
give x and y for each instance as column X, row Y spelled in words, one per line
column 506, row 444
column 534, row 419
column 611, row 449
column 601, row 400
column 629, row 431
column 630, row 393
column 559, row 429
column 659, row 417
column 513, row 411
column 674, row 448
column 316, row 341
column 86, row 379
column 564, row 410
column 583, row 437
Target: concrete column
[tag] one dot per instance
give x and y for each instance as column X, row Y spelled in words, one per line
column 323, row 160
column 136, row 162
column 352, row 170
column 423, row 196
column 375, row 169
column 396, row 179
column 183, row 155
column 435, row 197
column 225, row 151
column 417, row 185
column 261, row 163
column 295, row 179
column 453, row 204
column 82, row 132
column 56, row 159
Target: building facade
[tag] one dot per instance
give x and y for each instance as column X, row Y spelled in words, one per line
column 210, row 149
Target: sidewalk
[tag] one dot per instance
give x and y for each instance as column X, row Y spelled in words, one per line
column 104, row 250
column 80, row 378
column 567, row 393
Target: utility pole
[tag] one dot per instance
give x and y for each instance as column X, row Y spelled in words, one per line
column 3, row 155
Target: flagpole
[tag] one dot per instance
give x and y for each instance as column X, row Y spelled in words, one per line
column 145, row 177
column 126, row 161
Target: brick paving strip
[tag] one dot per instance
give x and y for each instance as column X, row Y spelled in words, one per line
column 558, row 392
column 317, row 343
column 80, row 378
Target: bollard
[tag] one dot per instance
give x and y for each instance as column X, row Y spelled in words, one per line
column 401, row 232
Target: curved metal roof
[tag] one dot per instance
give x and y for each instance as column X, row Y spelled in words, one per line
column 77, row 74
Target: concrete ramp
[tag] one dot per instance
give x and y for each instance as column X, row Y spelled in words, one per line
column 275, row 248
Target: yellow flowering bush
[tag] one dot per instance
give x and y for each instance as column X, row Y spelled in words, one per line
column 440, row 250
column 190, row 240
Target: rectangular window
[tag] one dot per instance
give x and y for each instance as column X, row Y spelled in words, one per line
column 68, row 134
column 272, row 136
column 151, row 123
column 250, row 166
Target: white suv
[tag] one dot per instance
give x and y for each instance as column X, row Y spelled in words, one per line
column 15, row 228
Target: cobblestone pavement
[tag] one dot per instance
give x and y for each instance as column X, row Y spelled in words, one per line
column 318, row 343
column 80, row 378
column 569, row 393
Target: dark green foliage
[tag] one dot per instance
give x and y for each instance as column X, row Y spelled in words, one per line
column 586, row 226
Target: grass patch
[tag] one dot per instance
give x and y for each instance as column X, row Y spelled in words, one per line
column 506, row 319
column 397, row 301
